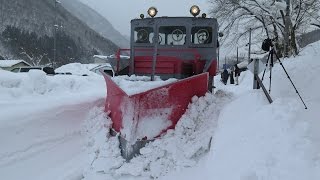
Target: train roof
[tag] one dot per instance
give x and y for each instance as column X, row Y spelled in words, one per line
column 175, row 20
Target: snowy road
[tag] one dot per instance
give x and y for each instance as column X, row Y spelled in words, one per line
column 41, row 124
column 53, row 135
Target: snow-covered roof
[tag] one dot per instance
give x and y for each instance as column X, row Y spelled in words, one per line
column 111, row 56
column 243, row 64
column 121, row 56
column 100, row 56
column 10, row 63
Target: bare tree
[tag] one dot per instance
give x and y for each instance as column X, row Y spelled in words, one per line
column 34, row 60
column 276, row 19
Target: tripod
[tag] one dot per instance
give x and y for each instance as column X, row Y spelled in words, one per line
column 272, row 53
column 269, row 62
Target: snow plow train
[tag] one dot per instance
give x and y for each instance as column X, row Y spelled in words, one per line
column 183, row 48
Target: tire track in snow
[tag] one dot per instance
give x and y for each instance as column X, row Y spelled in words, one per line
column 42, row 135
column 34, row 149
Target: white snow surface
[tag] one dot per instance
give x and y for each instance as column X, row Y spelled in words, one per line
column 137, row 84
column 77, row 69
column 54, row 127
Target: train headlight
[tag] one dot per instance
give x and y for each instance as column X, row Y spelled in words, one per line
column 195, row 10
column 152, row 11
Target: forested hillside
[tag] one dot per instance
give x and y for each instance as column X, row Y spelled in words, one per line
column 96, row 21
column 27, row 32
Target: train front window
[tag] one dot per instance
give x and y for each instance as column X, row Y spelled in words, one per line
column 143, row 35
column 172, row 35
column 201, row 35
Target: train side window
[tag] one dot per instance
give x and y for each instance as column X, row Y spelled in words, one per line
column 162, row 38
column 172, row 35
column 143, row 34
column 201, row 35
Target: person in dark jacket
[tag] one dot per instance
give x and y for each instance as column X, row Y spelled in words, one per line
column 231, row 76
column 237, row 74
column 225, row 76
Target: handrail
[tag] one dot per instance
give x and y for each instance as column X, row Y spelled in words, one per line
column 192, row 50
column 195, row 52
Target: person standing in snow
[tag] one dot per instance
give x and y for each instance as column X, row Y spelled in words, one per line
column 231, row 76
column 237, row 74
column 225, row 76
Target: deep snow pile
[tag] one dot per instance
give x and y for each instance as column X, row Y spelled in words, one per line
column 256, row 140
column 40, row 123
column 77, row 69
column 37, row 83
column 177, row 149
column 28, row 93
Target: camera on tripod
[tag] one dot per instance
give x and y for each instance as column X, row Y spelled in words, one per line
column 267, row 44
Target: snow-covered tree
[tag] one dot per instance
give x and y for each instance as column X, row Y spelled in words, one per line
column 281, row 20
column 34, row 59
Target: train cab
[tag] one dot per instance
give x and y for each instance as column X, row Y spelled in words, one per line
column 177, row 47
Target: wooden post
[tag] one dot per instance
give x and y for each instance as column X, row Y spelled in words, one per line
column 255, row 73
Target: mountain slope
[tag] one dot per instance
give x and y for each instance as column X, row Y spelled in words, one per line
column 25, row 22
column 96, row 21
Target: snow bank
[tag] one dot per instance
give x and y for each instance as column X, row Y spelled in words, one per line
column 36, row 83
column 77, row 69
column 250, row 138
column 256, row 140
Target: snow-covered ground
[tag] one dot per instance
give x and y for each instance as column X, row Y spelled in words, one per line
column 53, row 127
column 41, row 122
column 77, row 69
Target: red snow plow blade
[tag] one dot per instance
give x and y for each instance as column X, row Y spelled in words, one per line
column 139, row 112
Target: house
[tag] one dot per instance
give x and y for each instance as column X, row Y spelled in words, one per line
column 11, row 64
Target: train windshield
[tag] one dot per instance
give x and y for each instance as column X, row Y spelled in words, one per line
column 172, row 35
column 201, row 35
column 143, row 35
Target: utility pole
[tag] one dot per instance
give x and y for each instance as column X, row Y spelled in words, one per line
column 287, row 29
column 55, row 27
column 237, row 55
column 249, row 52
column 218, row 58
column 220, row 34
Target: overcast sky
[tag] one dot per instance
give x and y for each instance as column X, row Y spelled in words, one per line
column 120, row 12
